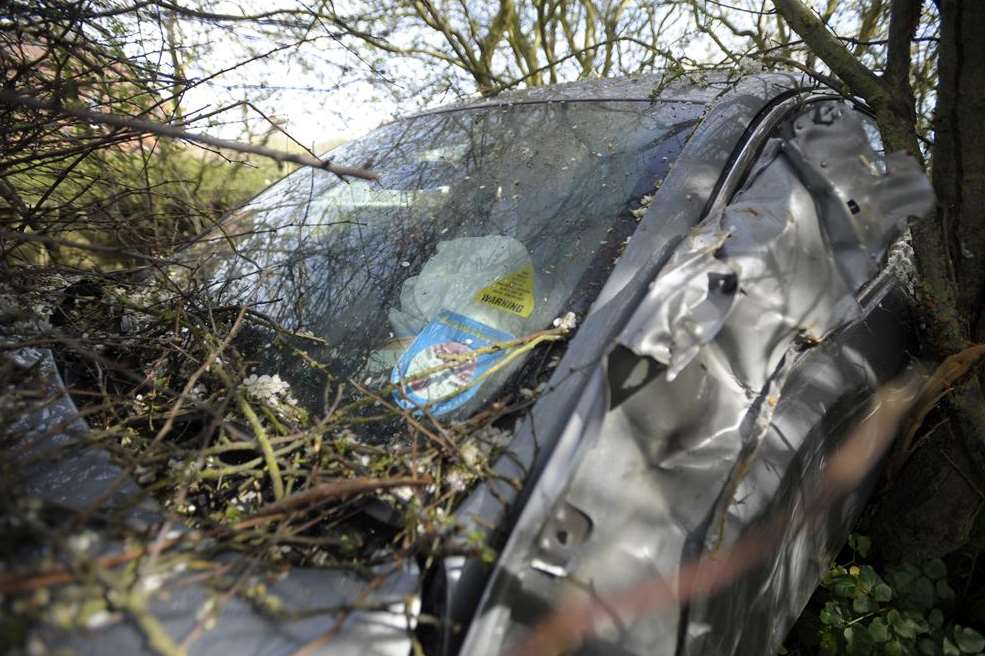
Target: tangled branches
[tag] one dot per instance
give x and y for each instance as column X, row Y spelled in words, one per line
column 225, row 457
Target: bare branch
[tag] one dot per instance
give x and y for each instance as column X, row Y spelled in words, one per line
column 160, row 129
column 902, row 28
column 831, row 50
column 891, row 100
column 333, row 490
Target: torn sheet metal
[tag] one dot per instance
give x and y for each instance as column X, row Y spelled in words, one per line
column 752, row 351
column 572, row 407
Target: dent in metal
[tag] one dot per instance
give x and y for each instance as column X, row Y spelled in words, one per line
column 698, row 440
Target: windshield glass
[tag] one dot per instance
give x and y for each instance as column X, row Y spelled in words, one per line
column 485, row 225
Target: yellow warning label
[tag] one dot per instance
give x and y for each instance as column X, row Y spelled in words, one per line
column 513, row 293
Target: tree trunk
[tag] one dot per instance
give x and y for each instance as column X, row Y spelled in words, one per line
column 935, row 503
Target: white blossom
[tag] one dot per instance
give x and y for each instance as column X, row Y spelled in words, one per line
column 456, row 480
column 404, row 493
column 99, row 619
column 270, row 389
column 471, row 455
column 568, row 322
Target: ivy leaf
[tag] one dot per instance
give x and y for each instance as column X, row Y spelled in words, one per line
column 944, row 590
column 923, row 593
column 935, row 569
column 904, row 626
column 878, row 630
column 844, row 587
column 831, row 615
column 968, row 640
column 829, row 641
column 919, row 620
column 857, row 640
column 902, row 580
column 863, row 604
column 860, row 544
column 882, row 593
column 869, row 577
column 837, row 571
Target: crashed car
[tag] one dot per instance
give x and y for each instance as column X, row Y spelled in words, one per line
column 716, row 254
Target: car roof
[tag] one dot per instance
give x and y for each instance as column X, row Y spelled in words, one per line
column 698, row 88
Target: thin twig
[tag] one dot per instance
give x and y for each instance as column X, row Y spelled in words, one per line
column 151, row 127
column 260, row 433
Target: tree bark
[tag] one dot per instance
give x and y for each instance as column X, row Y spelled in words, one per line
column 936, row 500
column 934, row 507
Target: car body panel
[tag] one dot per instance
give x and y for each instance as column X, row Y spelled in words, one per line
column 676, row 445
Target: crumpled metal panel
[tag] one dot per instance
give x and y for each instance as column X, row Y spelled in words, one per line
column 752, row 350
column 573, row 404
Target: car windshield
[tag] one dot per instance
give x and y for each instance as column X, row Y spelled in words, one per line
column 485, row 225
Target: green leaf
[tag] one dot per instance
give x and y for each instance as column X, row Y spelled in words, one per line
column 832, row 575
column 894, row 648
column 844, row 587
column 928, row 647
column 832, row 615
column 878, row 630
column 902, row 580
column 882, row 593
column 968, row 640
column 951, row 649
column 935, row 568
column 904, row 626
column 944, row 590
column 919, row 620
column 829, row 641
column 923, row 594
column 863, row 604
column 936, row 618
column 860, row 544
column 869, row 577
